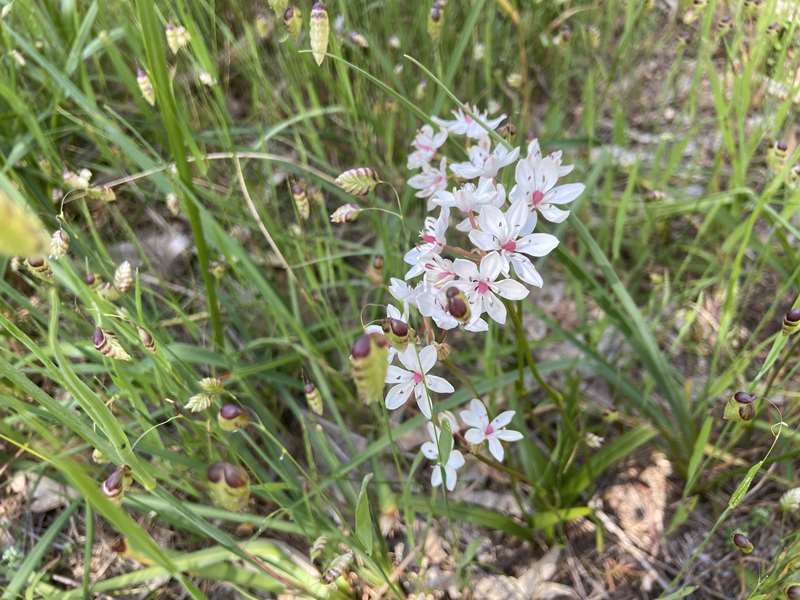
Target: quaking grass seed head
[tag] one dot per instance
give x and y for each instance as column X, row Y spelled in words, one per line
column 59, row 244
column 337, row 567
column 117, row 483
column 369, row 360
column 232, row 417
column 319, row 30
column 359, row 181
column 39, row 268
column 791, row 321
column 293, row 20
column 742, row 543
column 123, row 277
column 229, row 486
column 147, row 340
column 435, row 22
column 300, row 198
column 106, row 344
column 145, row 87
column 313, row 398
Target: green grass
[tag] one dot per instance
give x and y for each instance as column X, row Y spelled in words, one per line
column 677, row 268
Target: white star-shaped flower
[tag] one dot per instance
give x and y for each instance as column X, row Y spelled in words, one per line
column 448, row 471
column 500, row 232
column 433, row 241
column 464, row 124
column 430, row 181
column 482, row 288
column 484, row 430
column 469, row 199
column 425, row 145
column 484, row 162
column 432, row 303
column 536, row 178
column 415, row 378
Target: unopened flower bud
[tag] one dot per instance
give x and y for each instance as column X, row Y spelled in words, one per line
column 115, row 485
column 791, row 322
column 98, row 457
column 397, row 332
column 457, row 304
column 743, row 543
column 229, row 486
column 232, row 417
column 743, row 397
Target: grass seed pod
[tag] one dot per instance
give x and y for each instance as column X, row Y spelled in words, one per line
column 39, row 268
column 791, row 321
column 337, row 567
column 397, row 332
column 117, row 483
column 21, row 231
column 369, row 362
column 59, row 244
column 147, row 340
column 293, row 20
column 319, row 30
column 212, row 385
column 232, row 417
column 106, row 344
column 145, row 87
column 317, row 549
column 313, row 398
column 301, row 200
column 123, row 277
column 229, row 486
column 346, row 213
column 359, row 181
column 435, row 18
column 199, row 402
column 742, row 542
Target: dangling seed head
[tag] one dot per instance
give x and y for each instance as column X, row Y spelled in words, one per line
column 338, row 566
column 39, row 268
column 313, row 398
column 435, row 18
column 123, row 277
column 791, row 321
column 145, row 87
column 319, row 29
column 229, row 486
column 317, row 548
column 359, row 181
column 232, row 417
column 358, row 39
column 725, row 24
column 59, row 244
column 117, row 483
column 106, row 344
column 147, row 340
column 790, row 501
column 293, row 20
column 199, row 402
column 346, row 213
column 369, row 361
column 301, row 200
column 92, row 280
column 743, row 543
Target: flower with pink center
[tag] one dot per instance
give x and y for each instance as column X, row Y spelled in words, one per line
column 415, row 378
column 469, row 199
column 425, row 145
column 482, row 289
column 536, row 177
column 484, row 162
column 465, row 124
column 483, row 430
column 438, row 271
column 430, row 181
column 433, row 241
column 442, row 473
column 500, row 232
column 432, row 303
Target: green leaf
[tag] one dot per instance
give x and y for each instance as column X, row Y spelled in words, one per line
column 744, row 485
column 697, row 454
column 364, row 517
column 445, row 441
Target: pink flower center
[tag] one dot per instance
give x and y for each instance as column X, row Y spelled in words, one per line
column 425, row 148
column 428, row 238
column 417, row 378
column 509, row 246
column 482, row 288
column 537, row 197
column 489, row 429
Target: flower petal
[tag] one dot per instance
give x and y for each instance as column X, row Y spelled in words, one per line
column 439, row 385
column 451, row 477
column 525, row 270
column 508, row 435
column 430, row 451
column 563, row 194
column 494, row 307
column 408, row 357
column 496, row 449
column 491, row 265
column 474, row 436
column 510, row 289
column 503, row 419
column 517, row 215
column 483, row 240
column 397, row 375
column 436, row 476
column 553, row 214
column 537, row 244
column 398, row 395
column 466, row 269
column 427, row 358
column 456, row 459
column 423, row 400
column 492, row 220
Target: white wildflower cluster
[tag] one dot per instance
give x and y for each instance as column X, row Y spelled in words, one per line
column 456, row 286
